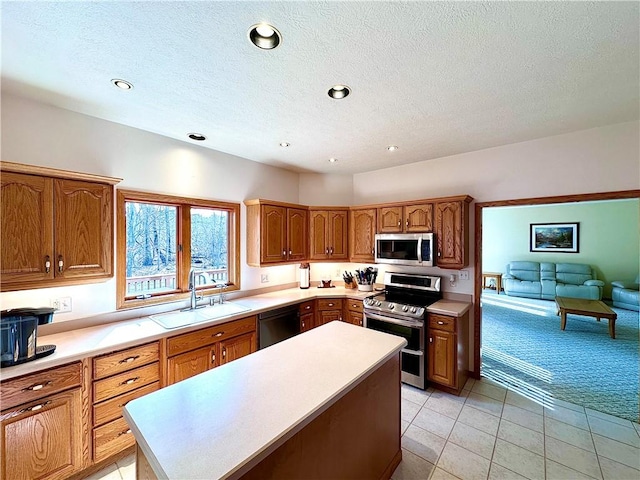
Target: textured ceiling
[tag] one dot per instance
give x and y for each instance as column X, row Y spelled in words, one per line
column 434, row 78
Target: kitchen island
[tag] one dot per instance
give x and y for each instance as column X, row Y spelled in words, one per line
column 324, row 404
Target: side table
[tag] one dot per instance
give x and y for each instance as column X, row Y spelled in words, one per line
column 498, row 278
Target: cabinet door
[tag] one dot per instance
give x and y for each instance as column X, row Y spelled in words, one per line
column 237, row 347
column 326, row 316
column 83, row 229
column 307, row 322
column 273, row 237
column 192, row 363
column 355, row 318
column 318, row 235
column 442, row 357
column 338, row 235
column 26, row 228
column 390, row 219
column 297, row 224
column 418, row 218
column 43, row 439
column 362, row 230
column 450, row 233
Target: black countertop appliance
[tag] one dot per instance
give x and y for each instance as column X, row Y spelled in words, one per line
column 19, row 332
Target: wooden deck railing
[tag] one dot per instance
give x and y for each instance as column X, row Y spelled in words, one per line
column 155, row 283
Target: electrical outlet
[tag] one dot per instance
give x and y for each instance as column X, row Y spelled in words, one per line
column 264, row 278
column 62, row 304
column 338, row 273
column 464, row 275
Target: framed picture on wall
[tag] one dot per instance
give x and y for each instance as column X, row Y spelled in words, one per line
column 554, row 237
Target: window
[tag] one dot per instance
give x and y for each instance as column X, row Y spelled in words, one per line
column 161, row 238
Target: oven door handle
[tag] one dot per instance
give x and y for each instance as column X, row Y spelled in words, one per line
column 404, row 323
column 412, row 352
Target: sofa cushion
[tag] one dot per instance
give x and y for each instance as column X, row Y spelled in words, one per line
column 527, row 271
column 573, row 273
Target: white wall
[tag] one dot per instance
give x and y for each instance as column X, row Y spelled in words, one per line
column 37, row 134
column 327, row 190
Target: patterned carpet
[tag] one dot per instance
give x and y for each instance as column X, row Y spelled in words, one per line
column 523, row 346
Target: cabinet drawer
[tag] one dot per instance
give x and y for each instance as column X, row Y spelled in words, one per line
column 207, row 336
column 306, row 307
column 37, row 385
column 354, row 305
column 112, row 409
column 125, row 382
column 442, row 322
column 111, row 438
column 117, row 362
column 329, row 303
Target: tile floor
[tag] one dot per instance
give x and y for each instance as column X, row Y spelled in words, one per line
column 491, row 433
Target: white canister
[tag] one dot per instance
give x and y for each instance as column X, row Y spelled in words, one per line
column 305, row 275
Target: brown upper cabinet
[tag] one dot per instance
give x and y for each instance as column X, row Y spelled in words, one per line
column 276, row 233
column 405, row 218
column 362, row 231
column 328, row 234
column 452, row 232
column 56, row 227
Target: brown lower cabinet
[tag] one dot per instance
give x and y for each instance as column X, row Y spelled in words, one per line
column 354, row 312
column 196, row 352
column 42, row 424
column 307, row 312
column 448, row 359
column 328, row 310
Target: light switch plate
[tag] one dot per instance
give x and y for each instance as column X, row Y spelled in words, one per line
column 464, row 275
column 264, row 278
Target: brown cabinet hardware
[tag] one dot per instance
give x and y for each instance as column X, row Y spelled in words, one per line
column 218, row 334
column 60, row 263
column 130, row 381
column 47, row 264
column 129, row 359
column 36, row 386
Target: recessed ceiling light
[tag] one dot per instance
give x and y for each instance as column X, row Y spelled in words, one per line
column 392, row 148
column 265, row 36
column 333, row 160
column 197, row 136
column 285, row 144
column 122, row 84
column 339, row 91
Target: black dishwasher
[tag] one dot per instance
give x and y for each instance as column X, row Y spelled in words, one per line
column 277, row 325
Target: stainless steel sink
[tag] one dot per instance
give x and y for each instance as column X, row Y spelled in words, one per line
column 180, row 319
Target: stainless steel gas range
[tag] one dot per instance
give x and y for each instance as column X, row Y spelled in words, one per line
column 401, row 310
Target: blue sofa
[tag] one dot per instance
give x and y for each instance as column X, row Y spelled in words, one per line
column 547, row 280
column 626, row 294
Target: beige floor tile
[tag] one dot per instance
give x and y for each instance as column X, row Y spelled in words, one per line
column 423, row 443
column 572, row 457
column 408, row 410
column 557, row 471
column 473, row 440
column 469, row 383
column 521, row 436
column 616, row 471
column 569, row 434
column 615, row 431
column 519, row 460
column 556, row 402
column 480, row 420
column 403, row 426
column 462, row 463
column 446, row 404
column 434, row 422
column 498, row 472
column 484, row 403
column 490, row 390
column 439, row 474
column 521, row 401
column 413, row 394
column 610, row 418
column 524, row 418
column 110, row 472
column 617, row 451
column 636, row 426
column 412, row 467
column 566, row 415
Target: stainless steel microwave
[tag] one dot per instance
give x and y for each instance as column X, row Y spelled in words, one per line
column 405, row 249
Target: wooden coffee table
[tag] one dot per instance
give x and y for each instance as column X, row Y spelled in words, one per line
column 587, row 308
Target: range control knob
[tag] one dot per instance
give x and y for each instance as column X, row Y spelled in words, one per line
column 405, row 308
column 391, row 306
column 368, row 301
column 378, row 303
column 413, row 310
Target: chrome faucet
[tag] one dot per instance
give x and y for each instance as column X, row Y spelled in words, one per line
column 193, row 273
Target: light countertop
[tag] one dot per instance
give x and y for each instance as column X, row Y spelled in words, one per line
column 213, row 426
column 81, row 343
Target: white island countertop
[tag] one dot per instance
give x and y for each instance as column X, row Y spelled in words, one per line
column 222, row 422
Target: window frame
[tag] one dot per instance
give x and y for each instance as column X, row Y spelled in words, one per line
column 183, row 250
